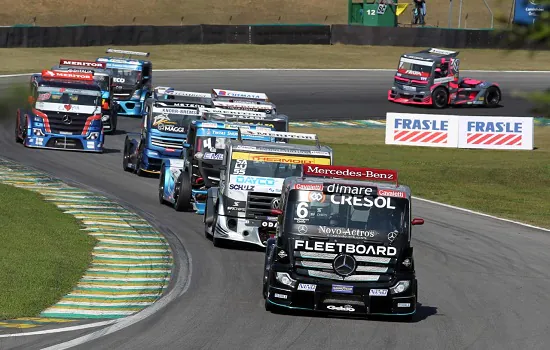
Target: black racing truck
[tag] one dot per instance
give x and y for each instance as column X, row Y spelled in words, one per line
column 343, row 244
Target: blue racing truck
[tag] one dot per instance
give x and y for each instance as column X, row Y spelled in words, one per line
column 132, row 81
column 164, row 126
column 103, row 78
column 63, row 112
column 184, row 182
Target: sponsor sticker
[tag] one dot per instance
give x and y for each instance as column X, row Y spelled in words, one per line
column 276, row 158
column 345, row 232
column 339, row 288
column 347, row 308
column 281, row 296
column 213, row 156
column 308, row 187
column 241, row 187
column 378, row 292
column 403, row 304
column 349, row 189
column 307, row 287
column 347, row 172
column 392, row 193
column 348, row 248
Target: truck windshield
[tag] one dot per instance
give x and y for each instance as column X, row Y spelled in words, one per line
column 313, row 213
column 414, row 67
column 168, row 122
column 60, row 99
column 211, row 147
column 271, row 165
column 125, row 76
column 102, row 81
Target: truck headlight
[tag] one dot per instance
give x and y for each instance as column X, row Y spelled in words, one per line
column 104, row 117
column 137, row 94
column 93, row 136
column 400, row 287
column 38, row 132
column 198, row 155
column 284, row 278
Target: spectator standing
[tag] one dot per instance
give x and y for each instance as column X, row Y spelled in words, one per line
column 420, row 6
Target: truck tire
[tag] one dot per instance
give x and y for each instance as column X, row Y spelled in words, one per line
column 183, row 190
column 440, row 97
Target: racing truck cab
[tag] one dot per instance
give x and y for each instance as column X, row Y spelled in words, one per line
column 241, row 207
column 103, row 78
column 277, row 122
column 431, row 78
column 166, row 120
column 343, row 244
column 131, row 81
column 242, row 100
column 63, row 112
column 184, row 182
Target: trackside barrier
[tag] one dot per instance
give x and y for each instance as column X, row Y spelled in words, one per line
column 496, row 132
column 455, row 131
column 421, row 130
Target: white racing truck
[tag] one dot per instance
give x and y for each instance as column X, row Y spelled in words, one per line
column 251, row 178
column 243, row 100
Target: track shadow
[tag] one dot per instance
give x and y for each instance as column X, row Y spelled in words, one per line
column 116, row 132
column 110, row 150
column 422, row 313
column 247, row 247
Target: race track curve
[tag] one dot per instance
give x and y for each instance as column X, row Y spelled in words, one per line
column 483, row 283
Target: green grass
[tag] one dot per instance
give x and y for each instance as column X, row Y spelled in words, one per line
column 168, row 12
column 269, row 56
column 509, row 184
column 43, row 253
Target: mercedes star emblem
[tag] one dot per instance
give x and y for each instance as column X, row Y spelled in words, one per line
column 275, row 203
column 392, row 236
column 302, row 229
column 344, row 264
column 67, row 120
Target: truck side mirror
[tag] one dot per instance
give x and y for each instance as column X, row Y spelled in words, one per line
column 417, row 221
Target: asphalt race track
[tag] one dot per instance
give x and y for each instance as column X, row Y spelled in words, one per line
column 483, row 283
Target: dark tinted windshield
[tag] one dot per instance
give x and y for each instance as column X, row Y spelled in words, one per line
column 313, row 213
column 67, row 99
column 102, row 81
column 415, row 67
column 211, row 147
column 125, row 76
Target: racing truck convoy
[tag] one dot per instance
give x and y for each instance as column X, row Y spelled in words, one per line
column 343, row 244
column 431, row 78
column 63, row 112
column 132, row 81
column 241, row 208
column 184, row 182
column 166, row 119
column 104, row 80
column 249, row 101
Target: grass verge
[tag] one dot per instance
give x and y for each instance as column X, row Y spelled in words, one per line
column 508, row 184
column 269, row 56
column 42, row 256
column 167, row 12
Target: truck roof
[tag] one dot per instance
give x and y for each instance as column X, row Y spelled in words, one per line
column 319, row 180
column 432, row 54
column 280, row 147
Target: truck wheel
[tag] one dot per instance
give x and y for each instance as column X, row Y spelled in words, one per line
column 440, row 97
column 207, row 234
column 17, row 129
column 183, row 200
column 492, row 97
column 126, row 155
column 161, row 187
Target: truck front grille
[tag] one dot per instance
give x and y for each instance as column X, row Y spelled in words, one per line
column 319, row 265
column 166, row 142
column 259, row 204
column 73, row 125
